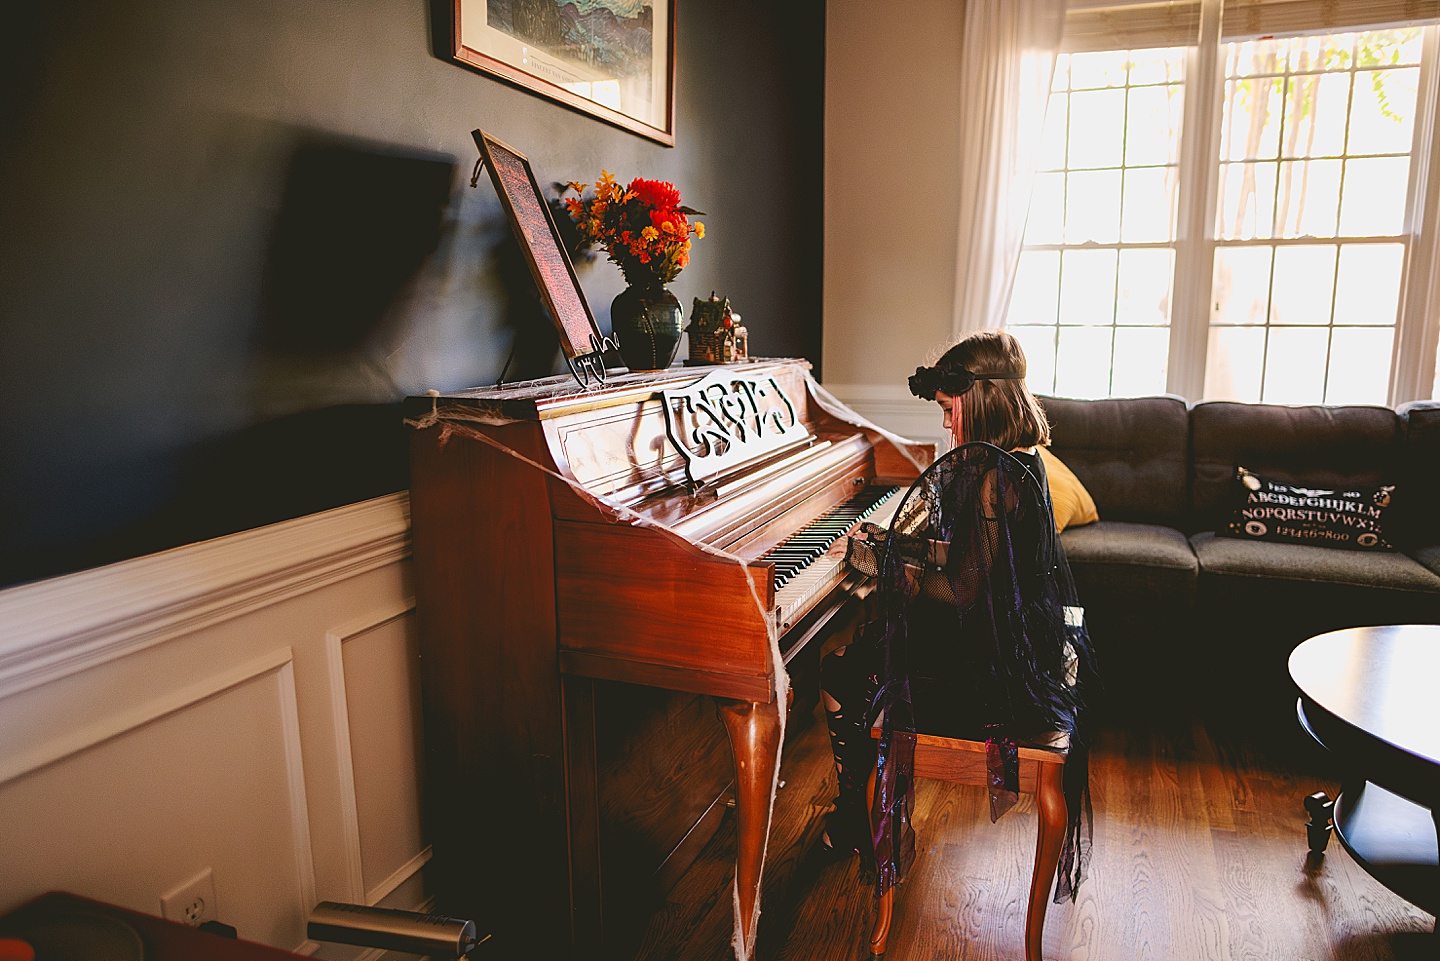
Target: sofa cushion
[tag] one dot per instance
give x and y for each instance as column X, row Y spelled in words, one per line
column 1130, row 453
column 1418, row 478
column 1072, row 502
column 1301, row 562
column 1126, row 560
column 1429, row 557
column 1323, row 447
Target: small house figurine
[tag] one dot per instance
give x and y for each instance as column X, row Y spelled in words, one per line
column 716, row 336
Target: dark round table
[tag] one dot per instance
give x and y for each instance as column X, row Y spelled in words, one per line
column 1371, row 697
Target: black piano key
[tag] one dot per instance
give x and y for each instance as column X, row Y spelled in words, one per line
column 800, row 550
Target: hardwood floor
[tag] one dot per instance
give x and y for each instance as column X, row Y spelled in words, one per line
column 1199, row 855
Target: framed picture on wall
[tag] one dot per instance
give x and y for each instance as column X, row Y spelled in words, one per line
column 612, row 59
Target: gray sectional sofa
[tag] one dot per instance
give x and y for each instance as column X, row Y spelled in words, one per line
column 1179, row 614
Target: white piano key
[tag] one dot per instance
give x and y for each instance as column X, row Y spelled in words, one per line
column 827, row 571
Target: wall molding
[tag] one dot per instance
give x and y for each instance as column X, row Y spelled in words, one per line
column 340, row 717
column 107, row 729
column 299, row 802
column 57, row 627
column 402, row 874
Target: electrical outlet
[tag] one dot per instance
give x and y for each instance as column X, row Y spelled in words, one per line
column 191, row 902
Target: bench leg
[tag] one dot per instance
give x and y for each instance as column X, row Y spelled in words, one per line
column 1054, row 815
column 885, row 907
column 880, row 933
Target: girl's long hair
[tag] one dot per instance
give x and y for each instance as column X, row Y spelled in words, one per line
column 999, row 412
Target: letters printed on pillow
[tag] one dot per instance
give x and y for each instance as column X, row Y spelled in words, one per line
column 1353, row 519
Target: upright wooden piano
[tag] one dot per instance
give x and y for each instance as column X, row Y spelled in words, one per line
column 580, row 554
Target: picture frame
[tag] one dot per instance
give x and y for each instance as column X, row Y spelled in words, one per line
column 550, row 264
column 615, row 61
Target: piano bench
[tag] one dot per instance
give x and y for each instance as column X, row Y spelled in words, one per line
column 1042, row 773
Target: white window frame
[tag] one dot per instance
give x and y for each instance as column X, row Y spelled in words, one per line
column 1417, row 321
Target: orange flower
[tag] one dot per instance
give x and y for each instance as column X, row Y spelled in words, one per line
column 641, row 225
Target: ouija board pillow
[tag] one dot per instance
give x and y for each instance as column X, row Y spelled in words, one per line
column 1353, row 519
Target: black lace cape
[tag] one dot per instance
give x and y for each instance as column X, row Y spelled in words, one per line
column 980, row 635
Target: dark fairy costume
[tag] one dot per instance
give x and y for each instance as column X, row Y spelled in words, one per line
column 978, row 634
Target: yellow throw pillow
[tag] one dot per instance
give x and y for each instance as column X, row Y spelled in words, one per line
column 1073, row 503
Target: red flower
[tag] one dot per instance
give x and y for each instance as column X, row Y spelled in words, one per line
column 655, row 193
column 677, row 221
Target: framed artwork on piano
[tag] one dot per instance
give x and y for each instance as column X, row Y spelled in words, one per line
column 612, row 59
column 550, row 265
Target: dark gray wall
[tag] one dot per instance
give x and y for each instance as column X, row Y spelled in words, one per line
column 233, row 235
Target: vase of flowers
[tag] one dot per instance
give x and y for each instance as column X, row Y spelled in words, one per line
column 647, row 233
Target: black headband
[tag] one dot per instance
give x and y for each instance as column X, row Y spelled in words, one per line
column 953, row 379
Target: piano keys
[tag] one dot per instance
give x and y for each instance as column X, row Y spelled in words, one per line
column 572, row 544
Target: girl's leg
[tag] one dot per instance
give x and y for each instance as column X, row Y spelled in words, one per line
column 847, row 685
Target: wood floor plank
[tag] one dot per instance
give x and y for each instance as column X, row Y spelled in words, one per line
column 1199, row 854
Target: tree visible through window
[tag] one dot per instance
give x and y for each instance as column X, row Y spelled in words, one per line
column 1309, row 239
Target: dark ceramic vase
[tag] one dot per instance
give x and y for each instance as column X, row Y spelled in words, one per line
column 647, row 321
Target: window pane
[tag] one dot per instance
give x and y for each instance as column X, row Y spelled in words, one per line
column 1038, row 343
column 1149, row 213
column 1052, row 148
column 1092, row 207
column 1300, row 292
column 1100, row 114
column 1382, row 119
column 1255, row 56
column 1152, row 125
column 1295, row 365
column 1251, row 124
column 1083, row 362
column 1062, row 72
column 1315, row 143
column 1046, row 223
column 1144, row 292
column 1373, row 204
column 1233, row 363
column 1315, row 106
column 1087, row 288
column 1324, row 52
column 1368, row 288
column 1036, row 294
column 1140, row 361
column 1377, row 47
column 1247, row 201
column 1309, row 198
column 1104, row 68
column 1241, row 287
column 1360, row 365
column 1164, row 65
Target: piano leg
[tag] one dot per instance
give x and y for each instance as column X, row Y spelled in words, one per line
column 754, row 730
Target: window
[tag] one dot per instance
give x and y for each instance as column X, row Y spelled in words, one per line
column 1301, row 163
column 1091, row 302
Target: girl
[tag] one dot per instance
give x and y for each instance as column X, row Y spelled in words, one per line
column 978, row 633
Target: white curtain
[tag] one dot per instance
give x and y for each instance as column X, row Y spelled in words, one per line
column 1007, row 64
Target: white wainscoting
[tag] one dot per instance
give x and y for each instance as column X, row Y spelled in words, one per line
column 248, row 704
column 894, row 408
